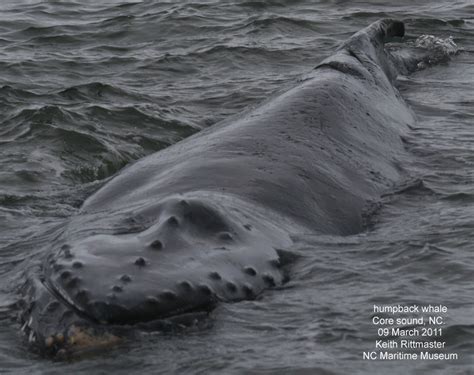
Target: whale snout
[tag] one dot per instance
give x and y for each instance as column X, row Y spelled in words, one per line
column 192, row 255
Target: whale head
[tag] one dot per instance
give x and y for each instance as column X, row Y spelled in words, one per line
column 142, row 266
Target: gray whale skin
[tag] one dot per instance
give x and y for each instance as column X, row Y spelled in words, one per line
column 204, row 221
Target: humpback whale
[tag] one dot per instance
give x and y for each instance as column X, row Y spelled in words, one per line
column 208, row 219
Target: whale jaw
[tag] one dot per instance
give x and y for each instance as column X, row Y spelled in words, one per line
column 193, row 255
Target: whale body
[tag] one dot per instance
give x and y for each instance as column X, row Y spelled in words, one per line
column 208, row 219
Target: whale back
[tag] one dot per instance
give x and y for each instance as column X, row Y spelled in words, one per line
column 315, row 154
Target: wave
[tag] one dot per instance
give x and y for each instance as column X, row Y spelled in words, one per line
column 9, row 93
column 364, row 15
column 464, row 197
column 97, row 90
column 88, row 142
column 19, row 125
column 432, row 23
column 117, row 20
column 138, row 117
column 58, row 39
column 260, row 24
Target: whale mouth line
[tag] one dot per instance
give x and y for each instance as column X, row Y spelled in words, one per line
column 65, row 301
column 169, row 315
column 83, row 332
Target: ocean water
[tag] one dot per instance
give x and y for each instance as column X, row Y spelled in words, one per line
column 88, row 87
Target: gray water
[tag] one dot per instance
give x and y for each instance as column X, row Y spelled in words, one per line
column 87, row 88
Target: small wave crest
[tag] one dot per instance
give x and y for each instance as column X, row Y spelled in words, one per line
column 97, row 90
